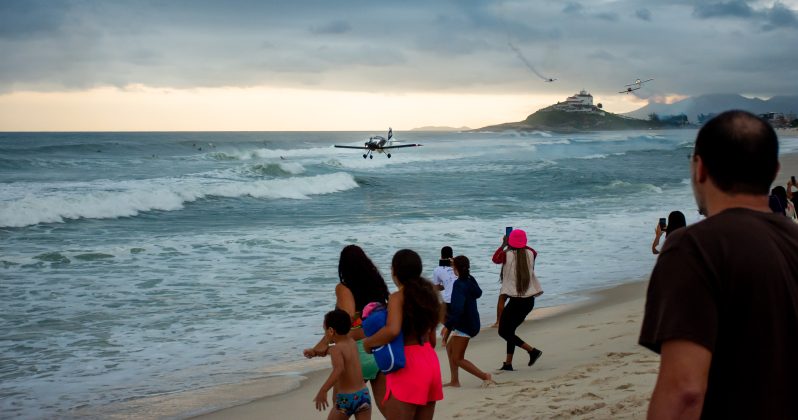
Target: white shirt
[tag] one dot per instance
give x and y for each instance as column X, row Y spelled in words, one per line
column 444, row 276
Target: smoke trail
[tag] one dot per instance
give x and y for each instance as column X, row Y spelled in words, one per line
column 526, row 62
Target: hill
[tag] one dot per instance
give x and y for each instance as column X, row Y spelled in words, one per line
column 558, row 120
column 717, row 103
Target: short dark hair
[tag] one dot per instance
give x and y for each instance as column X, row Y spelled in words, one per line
column 339, row 321
column 740, row 152
column 446, row 252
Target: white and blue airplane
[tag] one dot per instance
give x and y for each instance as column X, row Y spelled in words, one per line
column 379, row 144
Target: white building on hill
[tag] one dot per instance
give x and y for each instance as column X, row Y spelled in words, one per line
column 580, row 102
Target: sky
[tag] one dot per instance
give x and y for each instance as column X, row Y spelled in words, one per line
column 147, row 65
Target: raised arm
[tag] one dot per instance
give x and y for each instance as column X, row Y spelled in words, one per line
column 682, row 381
column 344, row 300
column 657, row 235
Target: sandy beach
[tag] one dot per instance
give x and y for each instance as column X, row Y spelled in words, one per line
column 591, row 367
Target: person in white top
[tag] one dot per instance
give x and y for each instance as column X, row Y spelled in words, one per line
column 443, row 276
column 521, row 285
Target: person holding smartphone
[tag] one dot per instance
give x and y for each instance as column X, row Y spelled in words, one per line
column 521, row 286
column 675, row 221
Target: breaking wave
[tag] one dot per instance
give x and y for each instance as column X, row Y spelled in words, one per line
column 36, row 203
column 264, row 153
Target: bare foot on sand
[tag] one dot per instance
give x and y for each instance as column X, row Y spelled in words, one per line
column 453, row 385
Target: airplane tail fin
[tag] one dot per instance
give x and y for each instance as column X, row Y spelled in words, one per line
column 390, row 133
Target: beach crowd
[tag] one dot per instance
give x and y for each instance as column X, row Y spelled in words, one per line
column 721, row 308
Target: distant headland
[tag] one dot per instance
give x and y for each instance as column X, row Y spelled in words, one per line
column 578, row 113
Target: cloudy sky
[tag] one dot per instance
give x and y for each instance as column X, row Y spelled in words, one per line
column 361, row 65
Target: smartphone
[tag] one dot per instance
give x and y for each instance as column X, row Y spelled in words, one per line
column 507, row 231
column 662, row 223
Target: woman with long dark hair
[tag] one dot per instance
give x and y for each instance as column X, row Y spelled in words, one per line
column 359, row 284
column 676, row 220
column 462, row 323
column 413, row 311
column 521, row 285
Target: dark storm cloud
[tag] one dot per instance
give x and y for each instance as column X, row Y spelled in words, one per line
column 736, row 8
column 27, row 19
column 396, row 47
column 332, row 28
column 572, row 7
column 643, row 14
column 780, row 16
column 776, row 16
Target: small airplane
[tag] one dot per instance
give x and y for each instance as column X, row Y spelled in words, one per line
column 548, row 80
column 635, row 86
column 379, row 144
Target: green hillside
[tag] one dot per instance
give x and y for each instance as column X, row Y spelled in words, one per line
column 550, row 119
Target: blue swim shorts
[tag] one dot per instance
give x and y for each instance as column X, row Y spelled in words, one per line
column 349, row 404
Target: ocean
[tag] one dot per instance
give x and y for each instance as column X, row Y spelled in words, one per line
column 140, row 265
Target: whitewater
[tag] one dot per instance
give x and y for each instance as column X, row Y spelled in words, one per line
column 135, row 265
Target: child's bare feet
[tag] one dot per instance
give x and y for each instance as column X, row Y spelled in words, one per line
column 452, row 384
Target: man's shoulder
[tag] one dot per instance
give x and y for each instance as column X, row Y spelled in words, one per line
column 731, row 222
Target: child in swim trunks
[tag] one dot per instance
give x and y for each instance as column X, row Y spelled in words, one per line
column 351, row 395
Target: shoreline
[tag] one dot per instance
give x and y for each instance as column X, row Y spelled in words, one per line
column 298, row 399
column 281, row 380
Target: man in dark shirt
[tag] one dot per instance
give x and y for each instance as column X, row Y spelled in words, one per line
column 722, row 304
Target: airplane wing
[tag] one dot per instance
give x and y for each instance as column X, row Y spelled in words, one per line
column 352, row 147
column 644, row 81
column 402, row 145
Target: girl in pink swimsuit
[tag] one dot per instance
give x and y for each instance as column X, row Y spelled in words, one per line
column 414, row 311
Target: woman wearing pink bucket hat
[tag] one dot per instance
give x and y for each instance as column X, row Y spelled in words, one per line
column 521, row 285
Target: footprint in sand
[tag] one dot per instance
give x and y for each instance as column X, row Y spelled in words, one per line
column 624, row 386
column 618, row 355
column 601, row 381
column 586, row 409
column 591, row 396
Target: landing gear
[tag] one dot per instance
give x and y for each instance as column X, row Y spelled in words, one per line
column 371, row 156
column 364, row 156
column 389, row 155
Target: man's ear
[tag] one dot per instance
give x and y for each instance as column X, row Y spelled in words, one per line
column 700, row 173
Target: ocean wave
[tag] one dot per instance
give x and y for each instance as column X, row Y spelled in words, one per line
column 550, row 142
column 517, row 133
column 277, row 169
column 596, row 156
column 641, row 187
column 108, row 200
column 405, row 156
column 264, row 153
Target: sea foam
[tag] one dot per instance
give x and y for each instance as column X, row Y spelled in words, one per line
column 106, row 199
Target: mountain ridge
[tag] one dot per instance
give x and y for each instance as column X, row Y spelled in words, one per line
column 716, row 103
